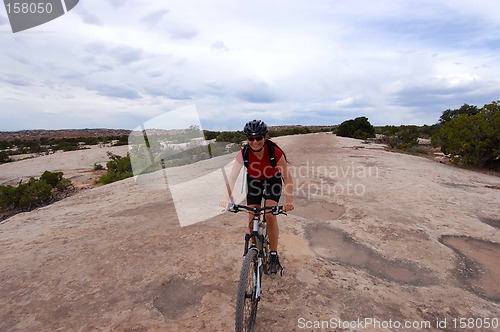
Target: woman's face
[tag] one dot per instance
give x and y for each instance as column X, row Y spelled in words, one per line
column 256, row 142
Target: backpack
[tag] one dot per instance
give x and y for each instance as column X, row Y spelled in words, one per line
column 270, row 150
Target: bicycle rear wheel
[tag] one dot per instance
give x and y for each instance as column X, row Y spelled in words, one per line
column 247, row 301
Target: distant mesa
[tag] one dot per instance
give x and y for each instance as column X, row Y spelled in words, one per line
column 27, row 135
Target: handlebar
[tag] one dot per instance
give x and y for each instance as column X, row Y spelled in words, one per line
column 275, row 210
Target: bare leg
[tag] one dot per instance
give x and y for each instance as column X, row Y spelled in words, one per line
column 272, row 227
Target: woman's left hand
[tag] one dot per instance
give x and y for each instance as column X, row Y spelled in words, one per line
column 288, row 207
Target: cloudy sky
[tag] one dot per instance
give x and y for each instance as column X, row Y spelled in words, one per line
column 120, row 63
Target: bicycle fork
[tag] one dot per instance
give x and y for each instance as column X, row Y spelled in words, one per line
column 260, row 250
column 258, row 279
column 259, row 239
column 258, row 273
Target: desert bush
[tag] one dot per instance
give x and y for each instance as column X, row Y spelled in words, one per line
column 66, row 144
column 406, row 137
column 231, row 137
column 296, row 130
column 9, row 195
column 210, row 135
column 118, row 164
column 52, row 178
column 118, row 167
column 4, row 157
column 472, row 138
column 121, row 140
column 5, row 145
column 222, row 148
column 359, row 128
column 424, row 131
column 64, row 185
column 35, row 192
column 113, row 177
column 465, row 109
column 98, row 167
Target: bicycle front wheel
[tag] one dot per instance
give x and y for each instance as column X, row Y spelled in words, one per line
column 265, row 254
column 247, row 299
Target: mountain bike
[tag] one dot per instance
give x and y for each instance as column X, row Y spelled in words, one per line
column 255, row 262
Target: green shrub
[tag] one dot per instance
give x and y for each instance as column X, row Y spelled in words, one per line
column 473, row 139
column 119, row 168
column 210, row 135
column 9, row 197
column 34, row 193
column 4, row 157
column 406, row 137
column 98, row 167
column 465, row 109
column 118, row 164
column 113, row 177
column 231, row 137
column 121, row 140
column 296, row 130
column 64, row 185
column 359, row 128
column 52, row 178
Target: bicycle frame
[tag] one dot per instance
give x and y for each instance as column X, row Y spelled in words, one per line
column 260, row 238
column 254, row 263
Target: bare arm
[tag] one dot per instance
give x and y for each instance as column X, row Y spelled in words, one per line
column 235, row 171
column 288, row 184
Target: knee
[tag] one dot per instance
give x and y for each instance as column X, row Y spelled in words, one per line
column 271, row 220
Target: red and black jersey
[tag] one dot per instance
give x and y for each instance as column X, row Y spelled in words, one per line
column 261, row 169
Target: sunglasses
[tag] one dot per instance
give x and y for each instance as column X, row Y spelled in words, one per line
column 256, row 138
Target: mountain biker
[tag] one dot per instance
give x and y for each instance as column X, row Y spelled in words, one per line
column 264, row 181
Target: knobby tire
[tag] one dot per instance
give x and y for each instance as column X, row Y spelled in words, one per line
column 246, row 303
column 266, row 253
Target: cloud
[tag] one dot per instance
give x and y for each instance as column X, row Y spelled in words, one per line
column 288, row 62
column 125, row 54
column 345, row 102
column 219, row 46
column 169, row 92
column 3, row 20
column 88, row 16
column 19, row 58
column 181, row 31
column 17, row 80
column 255, row 91
column 107, row 56
column 115, row 91
column 440, row 89
column 116, row 4
column 154, row 18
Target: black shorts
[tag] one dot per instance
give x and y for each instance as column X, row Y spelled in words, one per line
column 267, row 189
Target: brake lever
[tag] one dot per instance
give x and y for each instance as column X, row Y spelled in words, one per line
column 233, row 208
column 278, row 210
